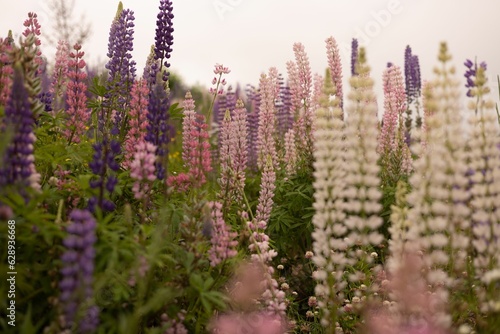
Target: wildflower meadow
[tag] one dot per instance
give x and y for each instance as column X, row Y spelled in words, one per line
column 299, row 205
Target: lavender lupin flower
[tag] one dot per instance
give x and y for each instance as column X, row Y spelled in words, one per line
column 159, row 131
column 121, row 66
column 77, row 272
column 164, row 38
column 102, row 163
column 354, row 55
column 470, row 74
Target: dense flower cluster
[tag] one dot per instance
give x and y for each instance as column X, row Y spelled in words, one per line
column 77, row 272
column 103, row 165
column 142, row 169
column 60, row 75
column 121, row 67
column 222, row 239
column 76, row 99
column 138, row 120
column 18, row 162
column 335, row 66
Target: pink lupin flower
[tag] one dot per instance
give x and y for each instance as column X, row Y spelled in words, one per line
column 60, row 75
column 138, row 120
column 240, row 146
column 142, row 169
column 222, row 239
column 394, row 106
column 290, row 152
column 187, row 125
column 78, row 114
column 200, row 160
column 335, row 65
column 233, row 154
column 225, row 158
column 318, row 91
column 266, row 193
column 6, row 71
column 266, row 145
column 196, row 147
column 33, row 29
column 293, row 83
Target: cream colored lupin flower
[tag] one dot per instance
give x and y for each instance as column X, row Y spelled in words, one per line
column 362, row 192
column 329, row 230
column 439, row 215
column 484, row 171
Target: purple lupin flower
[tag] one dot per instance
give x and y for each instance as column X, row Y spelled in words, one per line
column 159, row 131
column 77, row 272
column 121, row 67
column 470, row 74
column 354, row 55
column 164, row 38
column 413, row 83
column 104, row 166
column 17, row 168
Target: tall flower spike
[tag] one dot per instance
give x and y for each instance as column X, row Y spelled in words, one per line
column 121, row 67
column 18, row 163
column 138, row 120
column 164, row 38
column 362, row 181
column 239, row 147
column 142, row 169
column 266, row 144
column 6, row 70
column 226, row 180
column 335, row 65
column 305, row 122
column 396, row 157
column 266, row 194
column 329, row 185
column 103, row 165
column 222, row 239
column 76, row 99
column 354, row 56
column 439, row 214
column 60, row 76
column 77, row 272
column 484, row 175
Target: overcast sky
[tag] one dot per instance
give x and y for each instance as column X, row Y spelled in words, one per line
column 249, row 36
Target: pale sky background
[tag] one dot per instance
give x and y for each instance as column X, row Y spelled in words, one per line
column 249, row 36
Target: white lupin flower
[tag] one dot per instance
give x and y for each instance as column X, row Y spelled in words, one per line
column 329, row 232
column 439, row 213
column 484, row 171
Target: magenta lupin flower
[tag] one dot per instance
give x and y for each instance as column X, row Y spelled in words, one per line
column 138, row 120
column 33, row 30
column 6, row 71
column 335, row 65
column 266, row 145
column 142, row 169
column 60, row 76
column 76, row 99
column 222, row 240
column 394, row 106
